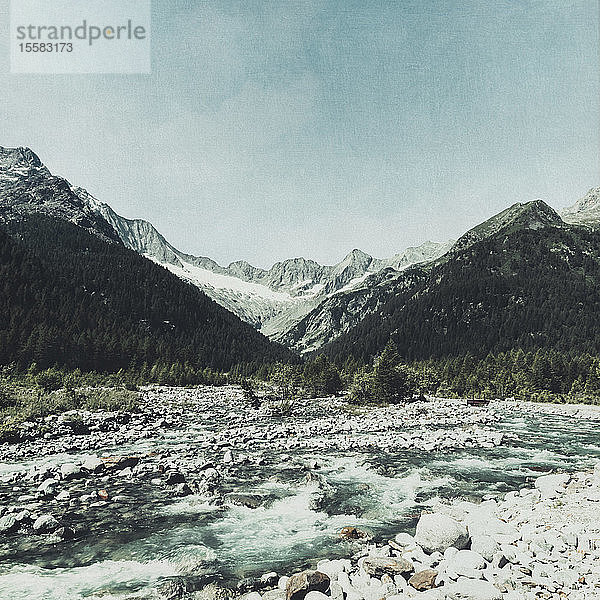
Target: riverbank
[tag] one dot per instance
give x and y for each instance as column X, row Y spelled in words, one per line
column 201, row 486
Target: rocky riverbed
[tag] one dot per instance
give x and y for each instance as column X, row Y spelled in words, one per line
column 540, row 542
column 200, row 488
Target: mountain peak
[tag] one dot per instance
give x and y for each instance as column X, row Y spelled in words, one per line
column 18, row 158
column 528, row 215
column 356, row 258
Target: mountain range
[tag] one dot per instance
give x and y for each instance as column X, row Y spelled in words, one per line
column 359, row 303
column 73, row 294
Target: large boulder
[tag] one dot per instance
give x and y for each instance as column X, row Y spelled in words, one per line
column 300, row 584
column 436, row 532
column 551, row 486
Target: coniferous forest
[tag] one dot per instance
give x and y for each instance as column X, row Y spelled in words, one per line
column 528, row 290
column 70, row 299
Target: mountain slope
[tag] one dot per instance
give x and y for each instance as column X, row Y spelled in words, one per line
column 72, row 293
column 532, row 283
column 530, row 215
column 585, row 211
column 27, row 187
column 272, row 300
column 69, row 297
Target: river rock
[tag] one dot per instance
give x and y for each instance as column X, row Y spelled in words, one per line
column 484, row 545
column 103, row 495
column 596, row 475
column 70, row 471
column 333, row 568
column 352, row 533
column 8, row 523
column 551, row 486
column 48, row 487
column 269, row 579
column 423, row 580
column 404, row 539
column 93, row 464
column 436, row 532
column 467, row 563
column 247, row 500
column 45, row 524
column 472, row 589
column 276, row 594
column 282, row 583
column 300, row 584
column 314, row 595
column 378, row 566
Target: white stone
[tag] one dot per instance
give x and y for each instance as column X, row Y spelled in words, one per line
column 283, row 582
column 314, row 595
column 45, row 523
column 93, row 463
column 466, row 563
column 484, row 545
column 551, row 486
column 436, row 532
column 333, row 567
column 69, row 470
column 472, row 589
column 48, row 487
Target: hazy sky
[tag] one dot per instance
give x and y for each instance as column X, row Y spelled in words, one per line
column 269, row 130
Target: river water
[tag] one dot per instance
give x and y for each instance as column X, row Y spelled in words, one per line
column 379, row 492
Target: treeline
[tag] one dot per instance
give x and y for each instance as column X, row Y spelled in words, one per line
column 541, row 375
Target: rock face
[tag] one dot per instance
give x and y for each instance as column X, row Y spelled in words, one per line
column 300, row 584
column 437, row 532
column 272, row 300
column 27, row 186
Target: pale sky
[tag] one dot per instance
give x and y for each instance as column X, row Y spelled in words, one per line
column 270, row 130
